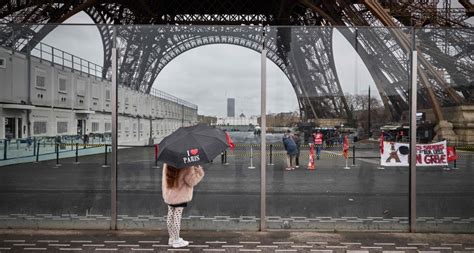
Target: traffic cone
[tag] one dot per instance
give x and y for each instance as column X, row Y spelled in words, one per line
column 311, row 165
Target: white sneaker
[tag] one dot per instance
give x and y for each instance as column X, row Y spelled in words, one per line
column 180, row 243
column 170, row 241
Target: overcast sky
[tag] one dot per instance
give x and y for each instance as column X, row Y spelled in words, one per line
column 208, row 75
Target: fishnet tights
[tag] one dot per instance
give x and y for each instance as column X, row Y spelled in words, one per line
column 174, row 221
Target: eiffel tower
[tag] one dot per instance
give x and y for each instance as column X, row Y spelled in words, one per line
column 286, row 28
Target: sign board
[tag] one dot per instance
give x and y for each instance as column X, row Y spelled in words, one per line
column 396, row 154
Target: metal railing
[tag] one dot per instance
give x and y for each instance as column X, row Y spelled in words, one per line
column 56, row 56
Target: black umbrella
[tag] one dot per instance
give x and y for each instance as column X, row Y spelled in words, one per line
column 192, row 145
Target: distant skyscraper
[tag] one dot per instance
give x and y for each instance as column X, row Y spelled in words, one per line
column 231, row 107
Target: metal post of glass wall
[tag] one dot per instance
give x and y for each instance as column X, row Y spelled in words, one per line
column 113, row 223
column 413, row 95
column 263, row 112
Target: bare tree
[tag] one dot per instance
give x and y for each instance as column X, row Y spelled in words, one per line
column 359, row 107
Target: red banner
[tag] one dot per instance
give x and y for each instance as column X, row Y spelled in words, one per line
column 229, row 141
column 452, row 156
column 381, row 143
column 345, row 151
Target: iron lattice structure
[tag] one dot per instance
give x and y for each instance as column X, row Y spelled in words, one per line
column 302, row 52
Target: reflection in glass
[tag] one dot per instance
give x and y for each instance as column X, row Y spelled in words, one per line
column 346, row 93
column 57, row 134
column 191, row 78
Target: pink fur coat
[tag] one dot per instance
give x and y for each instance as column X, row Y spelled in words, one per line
column 183, row 192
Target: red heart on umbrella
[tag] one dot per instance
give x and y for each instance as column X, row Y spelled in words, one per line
column 194, row 151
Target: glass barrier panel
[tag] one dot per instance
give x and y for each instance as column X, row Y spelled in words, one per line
column 54, row 138
column 193, row 75
column 331, row 92
column 445, row 171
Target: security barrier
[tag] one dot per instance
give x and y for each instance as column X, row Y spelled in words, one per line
column 275, row 150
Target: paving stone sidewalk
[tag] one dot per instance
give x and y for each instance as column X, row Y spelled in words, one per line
column 212, row 241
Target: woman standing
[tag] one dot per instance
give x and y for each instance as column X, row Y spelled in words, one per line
column 177, row 186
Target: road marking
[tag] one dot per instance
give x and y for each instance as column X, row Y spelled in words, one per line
column 321, row 250
column 58, row 245
column 106, row 249
column 81, row 241
column 451, row 244
column 249, row 242
column 13, row 240
column 417, row 244
column 134, row 249
column 321, row 243
column 148, row 241
column 267, row 246
column 216, row 242
column 250, row 250
column 115, row 242
column 34, row 248
column 47, row 241
column 357, row 251
column 336, row 247
column 282, row 242
column 160, row 245
column 77, row 249
column 405, row 248
column 214, row 250
column 5, row 248
column 370, row 247
column 232, row 246
column 449, row 248
column 24, row 244
column 384, row 244
column 128, row 245
column 393, row 251
column 350, row 243
column 301, row 246
column 93, row 245
column 285, row 250
column 198, row 246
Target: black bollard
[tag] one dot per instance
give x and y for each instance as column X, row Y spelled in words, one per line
column 225, row 157
column 454, row 148
column 57, row 155
column 222, row 158
column 77, row 153
column 105, row 157
column 5, row 150
column 34, row 147
column 271, row 154
column 37, row 152
column 105, row 154
column 353, row 155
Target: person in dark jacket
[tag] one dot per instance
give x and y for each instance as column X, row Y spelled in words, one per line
column 291, row 149
column 297, row 139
